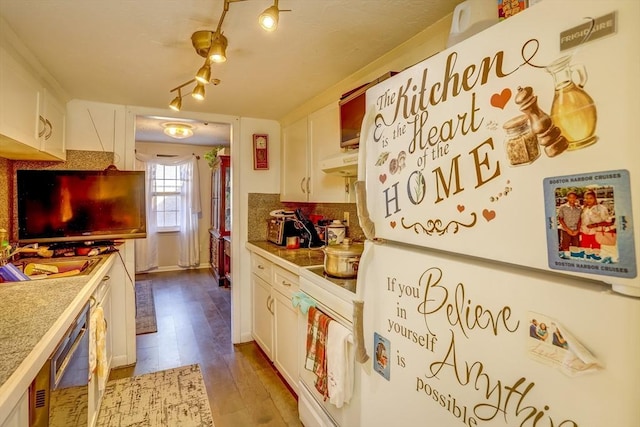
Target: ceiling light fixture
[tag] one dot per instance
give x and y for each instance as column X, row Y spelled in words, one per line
column 176, row 103
column 269, row 18
column 204, row 73
column 212, row 45
column 198, row 92
column 218, row 50
column 177, row 130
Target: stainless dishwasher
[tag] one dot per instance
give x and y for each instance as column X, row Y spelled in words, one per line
column 59, row 395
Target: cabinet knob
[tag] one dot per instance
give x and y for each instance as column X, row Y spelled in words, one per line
column 260, row 267
column 308, row 185
column 302, row 184
column 286, row 283
column 105, row 278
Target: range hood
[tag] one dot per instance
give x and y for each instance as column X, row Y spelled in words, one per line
column 342, row 164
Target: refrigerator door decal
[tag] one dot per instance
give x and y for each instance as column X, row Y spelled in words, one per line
column 460, row 148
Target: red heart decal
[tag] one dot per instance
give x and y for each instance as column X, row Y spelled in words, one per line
column 460, row 208
column 392, row 224
column 383, row 178
column 488, row 215
column 499, row 100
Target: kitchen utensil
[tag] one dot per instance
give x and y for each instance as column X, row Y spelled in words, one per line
column 342, row 260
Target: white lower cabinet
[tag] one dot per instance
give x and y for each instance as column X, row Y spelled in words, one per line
column 262, row 322
column 286, row 339
column 19, row 416
column 275, row 320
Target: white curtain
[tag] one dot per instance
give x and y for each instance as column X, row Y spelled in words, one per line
column 190, row 212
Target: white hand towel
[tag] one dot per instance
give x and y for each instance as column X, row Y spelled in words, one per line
column 101, row 347
column 92, row 342
column 340, row 362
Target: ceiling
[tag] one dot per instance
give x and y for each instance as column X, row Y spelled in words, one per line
column 133, row 52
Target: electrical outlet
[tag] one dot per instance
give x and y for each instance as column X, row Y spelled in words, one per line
column 346, row 219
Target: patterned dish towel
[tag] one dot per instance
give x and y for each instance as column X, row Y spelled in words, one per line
column 317, row 332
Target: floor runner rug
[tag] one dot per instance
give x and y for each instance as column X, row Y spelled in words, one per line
column 175, row 397
column 145, row 308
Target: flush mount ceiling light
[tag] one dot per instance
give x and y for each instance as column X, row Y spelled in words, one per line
column 177, row 130
column 269, row 18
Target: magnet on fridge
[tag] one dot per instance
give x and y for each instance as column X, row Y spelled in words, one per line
column 382, row 349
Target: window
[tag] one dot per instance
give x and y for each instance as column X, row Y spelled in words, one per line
column 167, row 188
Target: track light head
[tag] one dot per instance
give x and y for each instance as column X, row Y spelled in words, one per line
column 204, row 74
column 176, row 103
column 269, row 18
column 218, row 49
column 198, row 92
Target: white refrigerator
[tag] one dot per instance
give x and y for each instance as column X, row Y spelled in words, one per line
column 498, row 187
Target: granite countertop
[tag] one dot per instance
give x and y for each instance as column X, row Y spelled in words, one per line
column 297, row 258
column 33, row 317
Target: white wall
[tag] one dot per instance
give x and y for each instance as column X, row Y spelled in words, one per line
column 247, row 180
column 168, row 259
column 430, row 41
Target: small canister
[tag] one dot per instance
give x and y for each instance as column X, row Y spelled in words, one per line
column 335, row 232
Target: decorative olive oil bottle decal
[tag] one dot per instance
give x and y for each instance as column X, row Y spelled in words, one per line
column 572, row 109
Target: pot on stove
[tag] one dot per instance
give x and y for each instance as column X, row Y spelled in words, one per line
column 342, row 260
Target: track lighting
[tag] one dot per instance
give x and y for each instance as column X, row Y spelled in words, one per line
column 198, row 92
column 204, row 73
column 212, row 45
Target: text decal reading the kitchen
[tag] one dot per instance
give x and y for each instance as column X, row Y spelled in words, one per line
column 412, row 123
column 432, row 300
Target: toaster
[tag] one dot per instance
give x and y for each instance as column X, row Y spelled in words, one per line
column 278, row 229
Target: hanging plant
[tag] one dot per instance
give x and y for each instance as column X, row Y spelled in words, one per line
column 212, row 155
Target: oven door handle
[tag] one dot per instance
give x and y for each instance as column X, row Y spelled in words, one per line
column 59, row 372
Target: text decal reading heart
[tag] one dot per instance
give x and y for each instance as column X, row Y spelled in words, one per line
column 383, row 177
column 499, row 100
column 488, row 215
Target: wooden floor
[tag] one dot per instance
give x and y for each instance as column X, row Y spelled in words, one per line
column 194, row 316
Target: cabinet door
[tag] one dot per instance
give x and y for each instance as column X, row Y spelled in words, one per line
column 324, row 141
column 53, row 138
column 286, row 339
column 19, row 416
column 94, row 126
column 294, row 178
column 19, row 102
column 262, row 321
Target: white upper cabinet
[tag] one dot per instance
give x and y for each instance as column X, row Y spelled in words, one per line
column 293, row 187
column 304, row 144
column 95, row 126
column 32, row 120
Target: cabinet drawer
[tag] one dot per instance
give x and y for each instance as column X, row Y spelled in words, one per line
column 285, row 281
column 261, row 267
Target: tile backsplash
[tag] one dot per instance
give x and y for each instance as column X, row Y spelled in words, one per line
column 260, row 204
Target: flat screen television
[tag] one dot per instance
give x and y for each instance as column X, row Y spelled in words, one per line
column 80, row 205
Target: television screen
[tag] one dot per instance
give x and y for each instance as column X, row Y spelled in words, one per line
column 74, row 205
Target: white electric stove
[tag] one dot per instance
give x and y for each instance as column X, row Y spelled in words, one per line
column 334, row 297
